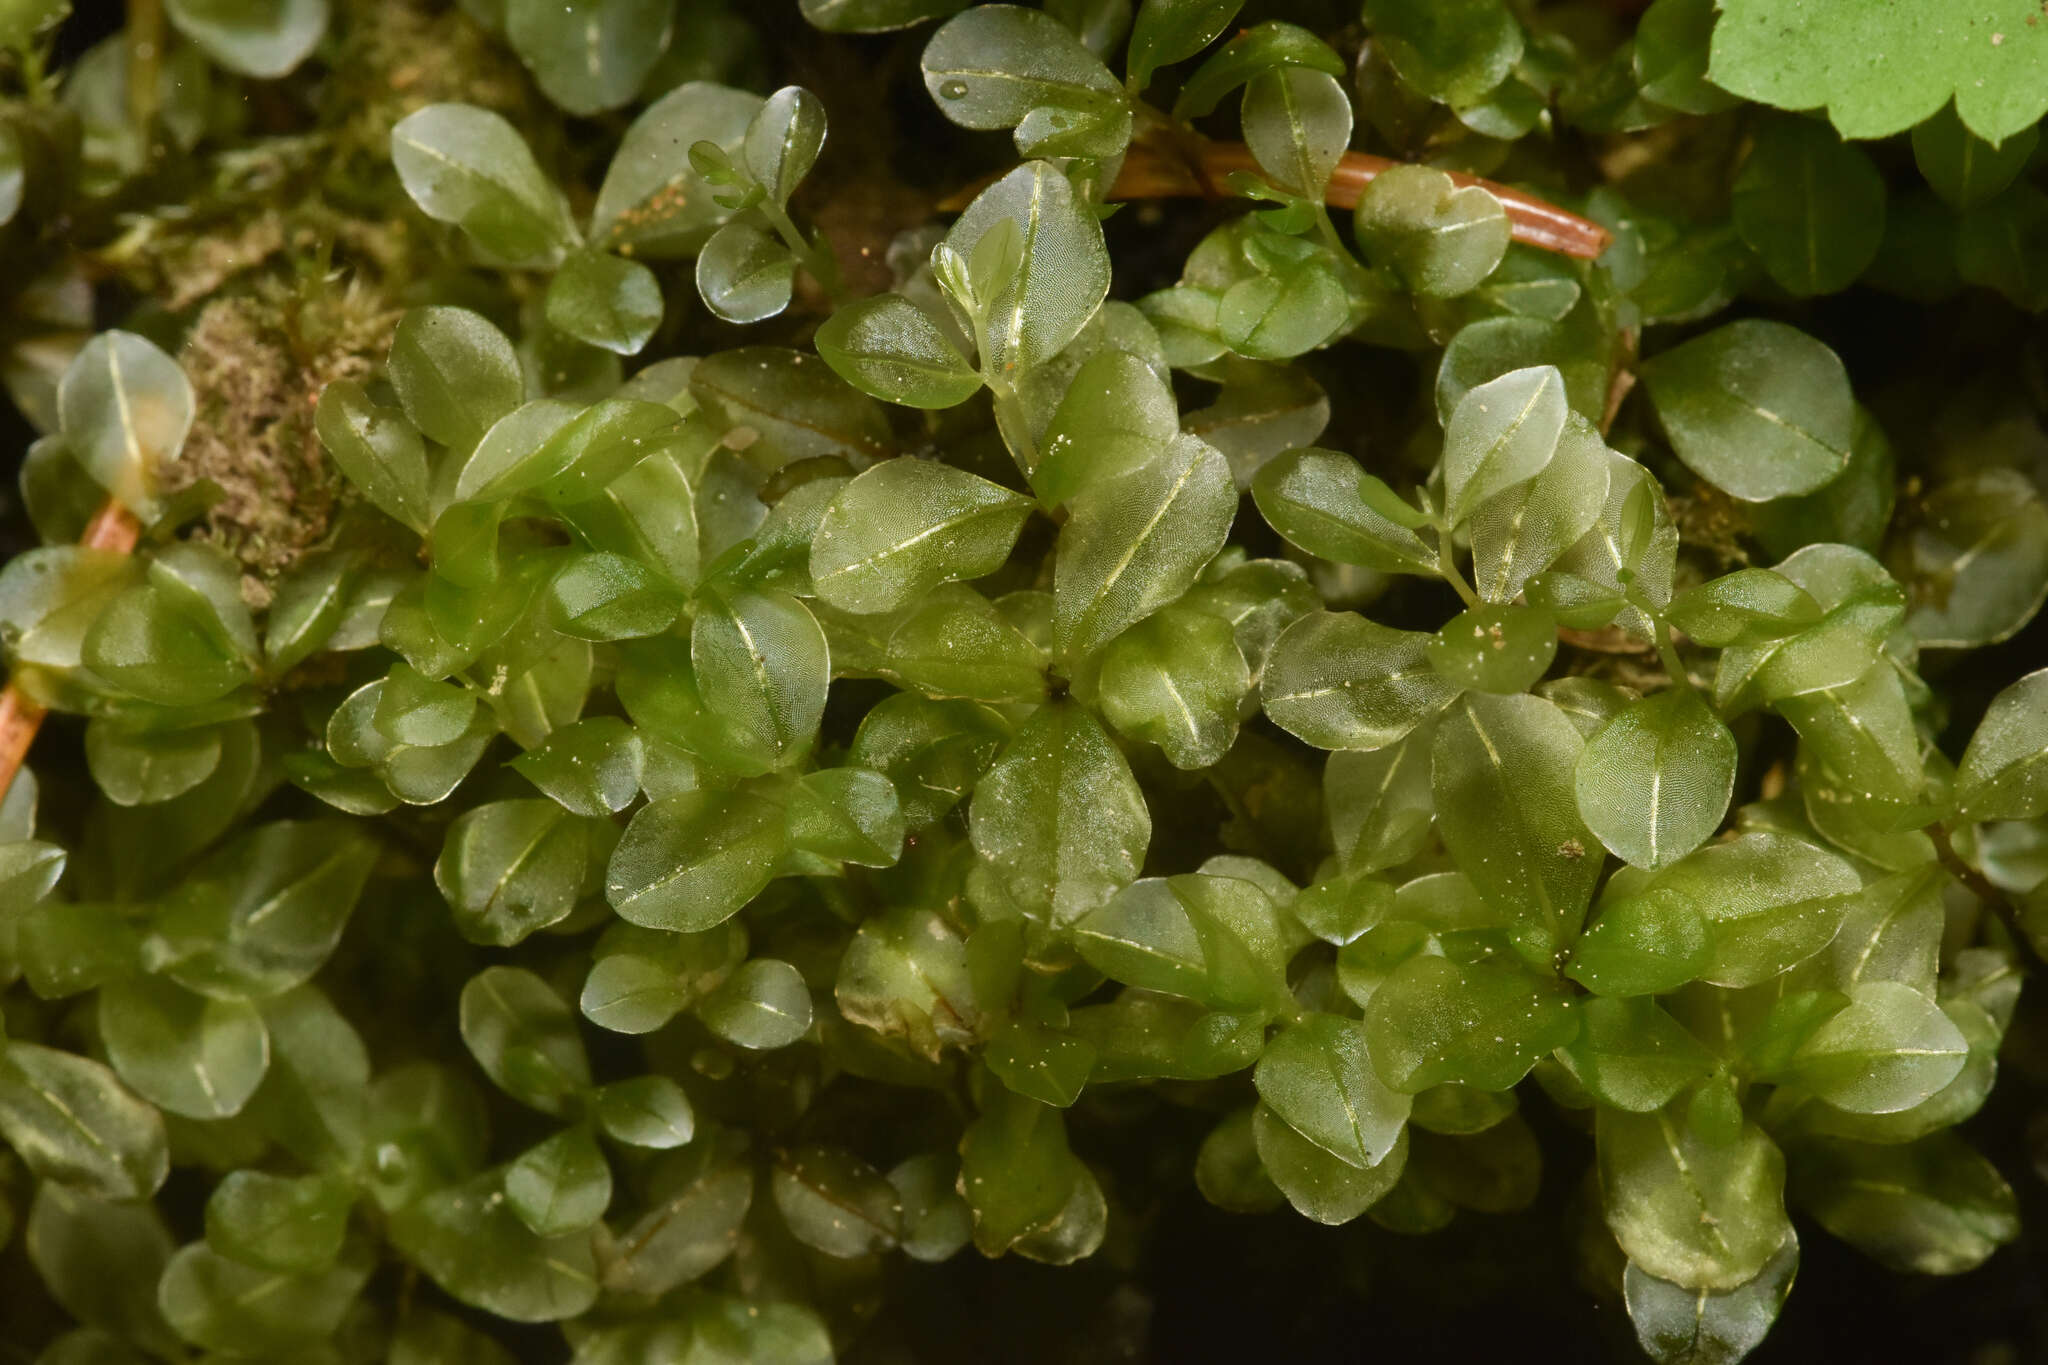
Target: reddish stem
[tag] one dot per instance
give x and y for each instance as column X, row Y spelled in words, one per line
column 114, row 528
column 1149, row 173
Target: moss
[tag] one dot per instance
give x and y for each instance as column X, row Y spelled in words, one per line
column 258, row 362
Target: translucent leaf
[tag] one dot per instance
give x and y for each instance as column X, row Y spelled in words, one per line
column 560, row 1185
column 1455, row 51
column 1975, row 560
column 1810, row 205
column 652, row 200
column 1889, row 1050
column 1771, row 902
column 833, row 1201
column 591, row 767
column 1214, row 939
column 936, row 1220
column 906, row 974
column 1166, row 32
column 1963, row 168
column 265, row 40
column 1249, row 51
column 745, row 274
column 905, row 526
column 783, row 141
column 1494, row 649
column 763, row 1005
column 1317, row 1077
column 1228, row 1171
column 1433, row 1021
column 1320, row 1186
column 1176, row 679
column 693, row 1223
column 2004, row 772
column 1028, row 316
column 690, row 861
column 468, row 166
column 1501, row 433
column 932, row 750
column 847, row 813
column 993, row 66
column 193, row 1056
column 590, row 56
column 72, row 1122
column 1439, row 238
column 602, row 596
column 1379, row 803
column 1644, row 944
column 889, row 348
column 1059, row 817
column 467, row 1239
column 1522, row 530
column 275, row 1222
column 455, row 373
column 1018, row 1174
column 1671, row 66
column 1040, row 1063
column 1324, row 503
column 1340, row 681
column 1679, row 1326
column 1654, row 783
column 1297, row 122
column 606, row 301
column 646, row 1111
column 125, row 408
column 1632, row 1055
column 1502, row 773
column 1702, row 1215
column 511, row 868
column 223, row 1304
column 762, row 667
column 642, row 978
column 875, row 16
column 1932, row 1207
column 781, row 405
column 524, row 1037
column 101, row 1261
column 1756, row 408
column 144, row 767
column 1135, row 543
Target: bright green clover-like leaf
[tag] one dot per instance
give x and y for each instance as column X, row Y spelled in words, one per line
column 1214, row 939
column 1770, row 901
column 1984, row 54
column 1169, row 31
column 1250, row 51
column 652, row 199
column 932, row 750
column 1642, row 944
column 1320, row 1186
column 744, row 274
column 783, row 141
column 1033, row 309
column 762, row 666
column 1758, row 409
column 847, row 813
column 591, row 767
column 1632, row 1055
column 456, row 374
column 560, row 1185
column 2004, row 772
column 379, row 450
column 1522, row 530
column 511, row 868
column 1889, row 1050
column 1379, row 802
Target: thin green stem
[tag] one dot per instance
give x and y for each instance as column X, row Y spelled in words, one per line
column 817, row 260
column 1014, row 424
column 1980, row 886
column 145, row 59
column 1447, row 564
column 1674, row 666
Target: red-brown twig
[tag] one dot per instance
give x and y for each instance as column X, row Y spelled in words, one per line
column 114, row 528
column 1150, row 173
